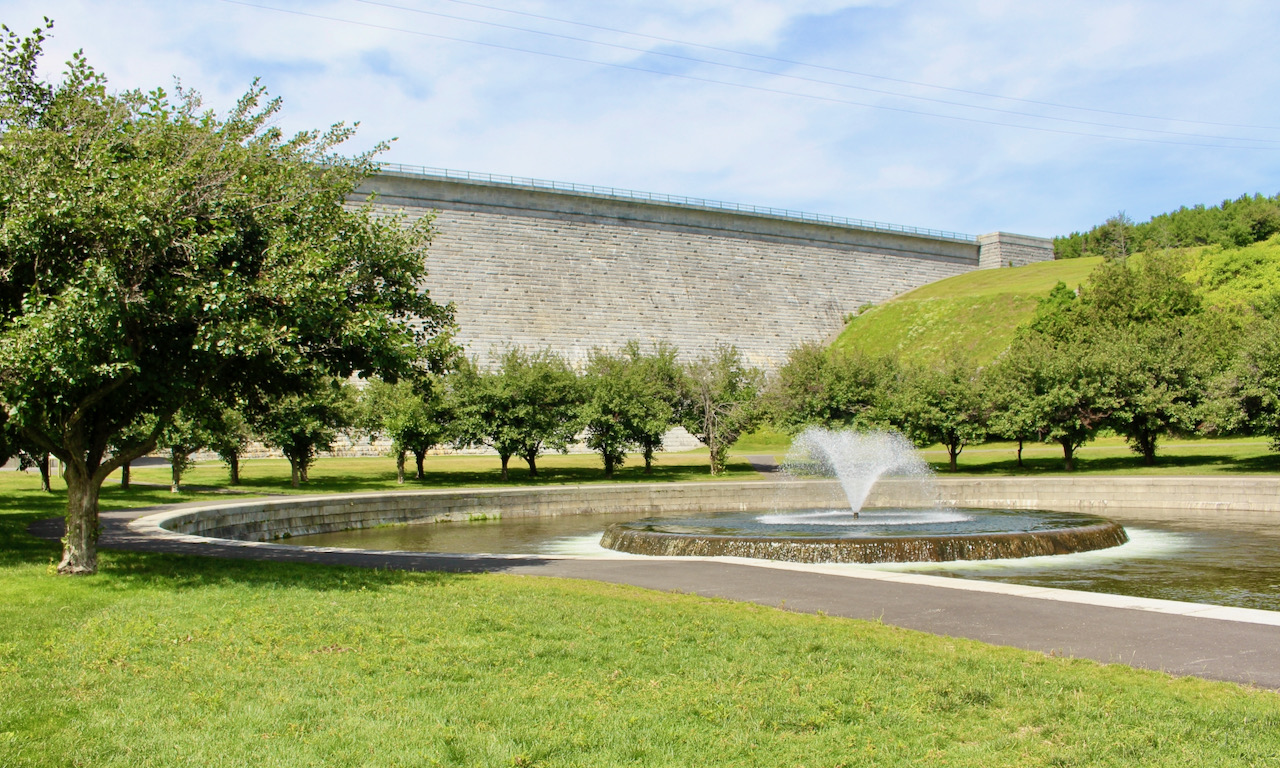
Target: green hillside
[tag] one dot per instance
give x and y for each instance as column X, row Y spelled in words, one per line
column 978, row 312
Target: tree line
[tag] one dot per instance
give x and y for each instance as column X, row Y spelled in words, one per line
column 1134, row 351
column 1232, row 223
column 525, row 405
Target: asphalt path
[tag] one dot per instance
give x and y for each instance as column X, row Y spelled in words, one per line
column 1053, row 622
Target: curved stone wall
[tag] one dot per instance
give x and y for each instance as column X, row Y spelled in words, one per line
column 1235, row 499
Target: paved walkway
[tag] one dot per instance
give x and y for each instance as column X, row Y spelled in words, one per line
column 1179, row 638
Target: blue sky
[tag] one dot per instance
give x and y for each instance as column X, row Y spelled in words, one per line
column 1031, row 117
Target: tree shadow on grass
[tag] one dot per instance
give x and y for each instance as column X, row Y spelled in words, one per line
column 189, row 572
column 1167, row 463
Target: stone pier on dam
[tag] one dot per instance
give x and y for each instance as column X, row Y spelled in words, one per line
column 547, row 264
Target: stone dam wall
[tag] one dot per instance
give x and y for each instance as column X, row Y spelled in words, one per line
column 571, row 270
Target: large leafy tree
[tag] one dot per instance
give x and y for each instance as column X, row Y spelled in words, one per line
column 153, row 254
column 721, row 401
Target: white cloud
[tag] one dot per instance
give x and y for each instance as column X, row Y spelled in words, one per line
column 486, row 108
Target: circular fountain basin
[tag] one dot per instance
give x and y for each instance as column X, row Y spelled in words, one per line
column 876, row 535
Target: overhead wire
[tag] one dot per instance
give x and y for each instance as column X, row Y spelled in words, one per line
column 771, row 73
column 745, row 86
column 794, row 62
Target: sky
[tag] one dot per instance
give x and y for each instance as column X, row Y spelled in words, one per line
column 1039, row 118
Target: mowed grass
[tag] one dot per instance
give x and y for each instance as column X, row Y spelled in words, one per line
column 976, row 312
column 168, row 660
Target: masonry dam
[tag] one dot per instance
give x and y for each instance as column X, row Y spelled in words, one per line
column 547, row 264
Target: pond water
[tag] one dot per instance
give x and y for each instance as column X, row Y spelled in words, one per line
column 1233, row 563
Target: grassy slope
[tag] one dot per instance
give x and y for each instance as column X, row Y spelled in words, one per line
column 979, row 311
column 165, row 660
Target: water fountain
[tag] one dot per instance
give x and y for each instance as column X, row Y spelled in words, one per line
column 849, row 531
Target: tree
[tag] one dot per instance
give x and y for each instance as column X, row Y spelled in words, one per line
column 411, row 413
column 662, row 371
column 1252, row 385
column 303, row 425
column 153, row 254
column 942, row 404
column 529, row 404
column 720, row 401
column 1143, row 322
column 229, row 436
column 624, row 406
column 832, row 388
column 185, row 434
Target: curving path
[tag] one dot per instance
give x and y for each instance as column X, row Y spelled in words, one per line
column 1213, row 642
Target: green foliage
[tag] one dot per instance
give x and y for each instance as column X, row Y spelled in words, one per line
column 413, row 414
column 940, row 404
column 187, row 432
column 229, row 436
column 528, row 405
column 1232, row 224
column 1250, row 389
column 624, row 405
column 660, row 369
column 720, row 400
column 300, row 425
column 830, row 387
column 153, row 255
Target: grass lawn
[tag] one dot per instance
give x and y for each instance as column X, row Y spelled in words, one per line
column 168, row 660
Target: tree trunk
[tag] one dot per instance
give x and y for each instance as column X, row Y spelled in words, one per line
column 418, row 456
column 304, row 470
column 293, row 472
column 43, row 464
column 952, row 452
column 124, row 477
column 400, row 456
column 532, row 460
column 648, row 460
column 175, row 471
column 717, row 453
column 608, row 464
column 233, row 464
column 1147, row 447
column 1019, row 453
column 1068, row 454
column 80, row 544
column 506, row 457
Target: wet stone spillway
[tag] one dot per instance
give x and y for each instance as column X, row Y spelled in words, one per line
column 875, row 536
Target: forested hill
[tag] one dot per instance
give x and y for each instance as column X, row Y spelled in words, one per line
column 1235, row 223
column 979, row 312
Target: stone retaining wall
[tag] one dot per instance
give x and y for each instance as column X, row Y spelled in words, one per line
column 1233, row 499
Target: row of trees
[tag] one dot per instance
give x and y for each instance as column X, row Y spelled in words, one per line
column 527, row 404
column 1232, row 223
column 1134, row 351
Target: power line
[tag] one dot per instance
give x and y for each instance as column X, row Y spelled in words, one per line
column 780, row 60
column 757, row 88
column 802, row 78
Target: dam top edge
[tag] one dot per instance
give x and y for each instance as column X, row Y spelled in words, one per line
column 678, row 201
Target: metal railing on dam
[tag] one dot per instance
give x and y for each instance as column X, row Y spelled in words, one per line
column 680, row 200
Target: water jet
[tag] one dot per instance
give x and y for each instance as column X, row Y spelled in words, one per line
column 852, row 533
